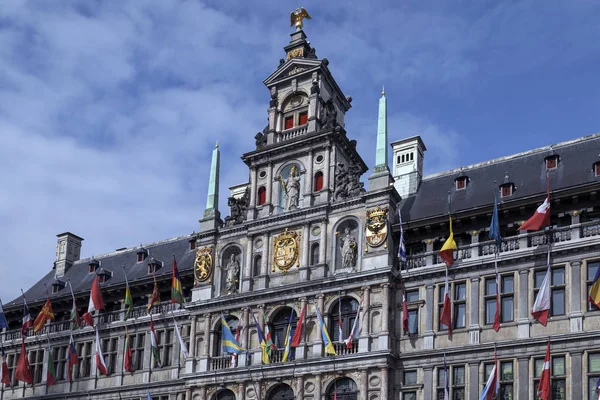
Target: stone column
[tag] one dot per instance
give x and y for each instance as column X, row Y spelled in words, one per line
column 270, row 185
column 385, row 384
column 188, row 394
column 318, row 387
column 323, row 243
column 474, row 381
column 204, row 359
column 576, row 379
column 523, row 321
column 253, row 188
column 363, row 337
column 523, row 379
column 364, row 384
column 301, row 349
column 308, row 178
column 385, row 317
column 428, row 383
column 327, row 169
column 317, row 349
column 241, row 391
column 261, row 282
column 189, row 363
column 576, row 316
column 300, row 388
column 428, row 251
column 241, row 358
column 474, row 327
column 429, row 311
column 305, row 252
column 247, row 278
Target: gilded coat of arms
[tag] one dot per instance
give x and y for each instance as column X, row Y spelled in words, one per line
column 377, row 226
column 285, row 251
column 203, row 266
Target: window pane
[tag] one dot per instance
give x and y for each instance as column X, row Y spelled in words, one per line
column 507, row 371
column 506, row 391
column 490, row 310
column 594, row 362
column 412, row 295
column 539, row 364
column 558, row 302
column 410, row 377
column 459, row 375
column 461, row 316
column 409, row 395
column 490, row 286
column 592, row 387
column 558, row 276
column 507, row 309
column 559, row 389
column 592, row 268
column 441, row 377
column 539, row 278
column 508, row 283
column 413, row 321
column 461, row 291
column 488, row 371
column 558, row 366
column 458, row 394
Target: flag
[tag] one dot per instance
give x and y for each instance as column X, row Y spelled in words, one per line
column 261, row 341
column 3, row 321
column 594, row 296
column 128, row 298
column 154, row 344
column 288, row 340
column 446, row 379
column 447, row 251
column 148, row 395
column 598, row 388
column 297, row 338
column 27, row 322
column 329, row 349
column 269, row 342
column 491, row 387
column 446, row 316
column 45, row 315
column 155, row 298
column 5, row 372
column 340, row 329
column 74, row 312
column 22, row 372
column 497, row 314
column 543, row 389
column 96, row 302
column 349, row 342
column 128, row 354
column 72, row 358
column 51, row 372
column 495, row 226
column 541, row 306
column 176, row 290
column 100, row 363
column 228, row 342
column 237, row 339
column 401, row 246
column 541, row 216
column 405, row 326
column 182, row 345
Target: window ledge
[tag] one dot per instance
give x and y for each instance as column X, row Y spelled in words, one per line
column 411, row 387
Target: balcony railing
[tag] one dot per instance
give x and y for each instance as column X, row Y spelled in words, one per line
column 342, row 349
column 222, row 362
column 53, row 327
column 292, row 133
column 590, row 229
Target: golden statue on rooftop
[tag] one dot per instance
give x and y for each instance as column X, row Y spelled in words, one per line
column 297, row 16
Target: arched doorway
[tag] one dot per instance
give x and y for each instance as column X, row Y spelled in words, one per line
column 344, row 313
column 342, row 389
column 224, row 394
column 281, row 392
column 279, row 325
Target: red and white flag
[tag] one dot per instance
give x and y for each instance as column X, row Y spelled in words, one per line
column 543, row 390
column 405, row 326
column 27, row 321
column 297, row 338
column 541, row 306
column 350, row 340
column 541, row 217
column 22, row 372
column 96, row 302
column 72, row 358
column 446, row 316
column 100, row 364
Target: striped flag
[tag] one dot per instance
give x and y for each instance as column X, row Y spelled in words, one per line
column 349, row 342
column 491, row 387
column 27, row 322
column 261, row 340
column 401, row 246
column 288, row 340
column 46, row 314
column 541, row 306
column 446, row 316
column 128, row 297
column 544, row 388
column 128, row 356
column 228, row 342
column 447, row 250
column 22, row 372
column 176, row 288
column 154, row 345
column 155, row 298
column 100, row 363
column 96, row 302
column 50, row 371
column 329, row 349
column 74, row 312
column 182, row 345
column 268, row 341
column 340, row 328
column 72, row 358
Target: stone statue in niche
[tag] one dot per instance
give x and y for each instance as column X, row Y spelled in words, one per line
column 347, row 182
column 237, row 209
column 329, row 115
column 291, row 188
column 233, row 271
column 349, row 247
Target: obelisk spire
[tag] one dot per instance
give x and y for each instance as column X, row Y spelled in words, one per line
column 381, row 157
column 211, row 212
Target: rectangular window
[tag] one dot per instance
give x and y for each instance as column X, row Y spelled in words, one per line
column 59, row 355
column 592, row 268
column 412, row 395
column 84, row 367
column 456, row 383
column 165, row 346
column 410, row 378
column 289, row 122
column 557, row 289
column 458, row 299
column 506, row 190
column 506, row 299
column 140, row 258
column 192, row 244
column 461, row 183
column 11, row 361
column 412, row 303
column 551, row 163
column 593, row 375
column 137, row 345
column 36, row 364
column 597, row 169
column 109, row 351
column 303, row 118
column 505, row 376
column 558, row 372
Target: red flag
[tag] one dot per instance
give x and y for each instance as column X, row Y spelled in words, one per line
column 72, row 358
column 541, row 306
column 297, row 338
column 128, row 354
column 446, row 316
column 541, row 217
column 404, row 313
column 155, row 298
column 543, row 390
column 22, row 372
column 497, row 315
column 45, row 315
column 5, row 373
column 100, row 364
column 96, row 302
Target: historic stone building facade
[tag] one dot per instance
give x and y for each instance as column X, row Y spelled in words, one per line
column 305, row 232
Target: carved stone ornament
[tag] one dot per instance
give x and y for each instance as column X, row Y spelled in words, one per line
column 285, row 251
column 347, row 182
column 237, row 209
column 377, row 226
column 203, row 266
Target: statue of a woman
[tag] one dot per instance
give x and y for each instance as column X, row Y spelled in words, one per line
column 291, row 189
column 349, row 249
column 233, row 269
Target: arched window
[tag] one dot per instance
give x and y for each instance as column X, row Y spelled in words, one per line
column 342, row 389
column 279, row 329
column 318, row 181
column 262, row 195
column 281, row 392
column 346, row 312
column 233, row 324
column 256, row 265
column 314, row 254
column 224, row 395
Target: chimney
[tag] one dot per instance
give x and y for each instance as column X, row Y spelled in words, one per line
column 68, row 249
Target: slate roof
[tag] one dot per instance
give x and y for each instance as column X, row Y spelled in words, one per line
column 526, row 170
column 81, row 279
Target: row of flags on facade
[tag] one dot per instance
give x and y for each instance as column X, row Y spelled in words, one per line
column 96, row 303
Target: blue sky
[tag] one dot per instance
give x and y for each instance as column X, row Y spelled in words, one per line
column 109, row 110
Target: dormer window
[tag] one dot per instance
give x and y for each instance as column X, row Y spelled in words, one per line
column 104, row 275
column 154, row 265
column 142, row 254
column 303, row 118
column 461, row 182
column 93, row 265
column 597, row 169
column 551, row 161
column 55, row 289
column 506, row 190
column 57, row 284
column 193, row 244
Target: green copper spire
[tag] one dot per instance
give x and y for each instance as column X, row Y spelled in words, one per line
column 381, row 157
column 212, row 199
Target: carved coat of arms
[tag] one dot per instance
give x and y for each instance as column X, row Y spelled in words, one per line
column 285, row 251
column 377, row 226
column 203, row 266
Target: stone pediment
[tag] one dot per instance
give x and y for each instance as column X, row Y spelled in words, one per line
column 292, row 68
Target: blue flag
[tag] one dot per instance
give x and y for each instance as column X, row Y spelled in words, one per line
column 401, row 246
column 149, row 396
column 228, row 342
column 495, row 226
column 3, row 321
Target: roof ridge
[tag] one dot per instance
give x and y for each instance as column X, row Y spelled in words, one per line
column 513, row 156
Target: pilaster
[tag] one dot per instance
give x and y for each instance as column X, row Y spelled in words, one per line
column 262, row 280
column 247, row 278
column 189, row 363
column 428, row 383
column 576, row 315
column 363, row 339
column 385, row 384
column 300, row 388
column 523, row 378
column 364, row 384
column 474, row 385
column 429, row 304
column 474, row 327
column 384, row 335
column 523, row 321
column 203, row 361
column 576, row 379
column 305, row 252
column 317, row 350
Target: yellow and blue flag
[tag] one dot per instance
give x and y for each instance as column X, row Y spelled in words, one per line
column 594, row 296
column 261, row 340
column 288, row 340
column 329, row 349
column 228, row 342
